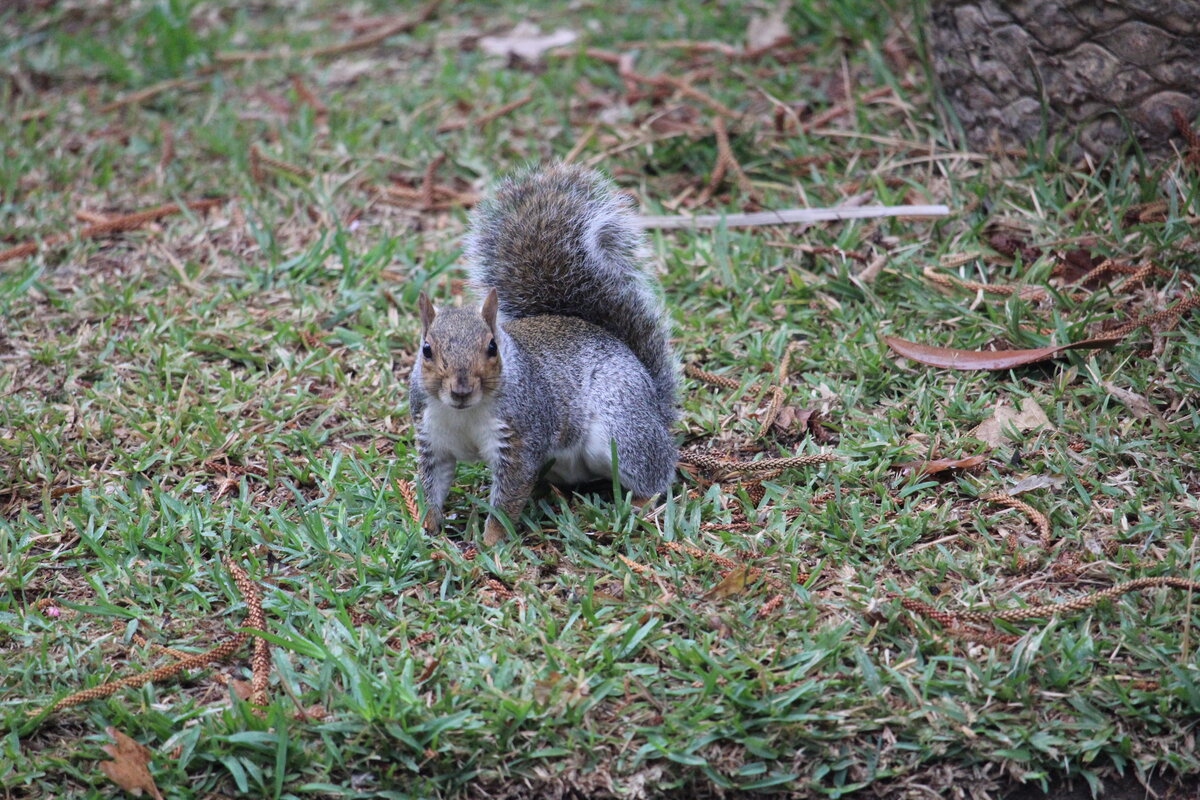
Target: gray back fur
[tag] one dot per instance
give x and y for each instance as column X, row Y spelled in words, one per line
column 561, row 241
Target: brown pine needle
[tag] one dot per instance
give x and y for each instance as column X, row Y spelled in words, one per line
column 640, row 569
column 693, row 371
column 1039, row 519
column 953, row 619
column 409, row 493
column 258, row 160
column 261, row 660
column 127, row 222
column 712, row 463
column 224, row 650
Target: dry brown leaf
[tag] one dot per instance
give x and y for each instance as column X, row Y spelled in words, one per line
column 1010, row 245
column 1030, row 416
column 953, row 358
column 1076, row 264
column 243, row 689
column 128, row 768
column 735, row 582
column 764, row 32
column 722, row 628
column 526, row 42
column 1138, row 405
column 939, row 465
column 795, row 420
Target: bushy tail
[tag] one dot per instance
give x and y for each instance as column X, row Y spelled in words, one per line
column 560, row 240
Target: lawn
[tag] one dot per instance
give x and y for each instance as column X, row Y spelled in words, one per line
column 226, row 384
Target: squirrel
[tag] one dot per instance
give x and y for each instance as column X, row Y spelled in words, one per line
column 567, row 355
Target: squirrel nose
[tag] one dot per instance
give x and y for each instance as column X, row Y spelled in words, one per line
column 461, row 397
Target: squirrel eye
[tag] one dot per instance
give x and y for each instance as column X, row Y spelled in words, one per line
column 426, row 350
column 492, row 348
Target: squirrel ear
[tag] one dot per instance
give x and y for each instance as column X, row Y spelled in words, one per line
column 489, row 310
column 427, row 313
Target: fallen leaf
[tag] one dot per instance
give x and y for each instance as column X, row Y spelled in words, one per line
column 128, row 768
column 526, row 42
column 764, row 32
column 952, row 358
column 1138, row 405
column 719, row 625
column 1031, row 482
column 735, row 582
column 795, row 420
column 1076, row 264
column 939, row 465
column 1030, row 416
column 1010, row 245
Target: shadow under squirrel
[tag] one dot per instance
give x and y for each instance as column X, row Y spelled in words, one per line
column 568, row 353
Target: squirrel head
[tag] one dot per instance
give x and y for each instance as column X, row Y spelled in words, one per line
column 460, row 359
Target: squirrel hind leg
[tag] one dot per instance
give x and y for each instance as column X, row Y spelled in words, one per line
column 646, row 458
column 627, row 414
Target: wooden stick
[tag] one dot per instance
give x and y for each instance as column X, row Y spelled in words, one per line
column 790, row 216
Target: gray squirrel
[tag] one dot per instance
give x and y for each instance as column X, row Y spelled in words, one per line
column 568, row 353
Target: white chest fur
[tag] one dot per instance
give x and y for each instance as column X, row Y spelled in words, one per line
column 590, row 458
column 469, row 434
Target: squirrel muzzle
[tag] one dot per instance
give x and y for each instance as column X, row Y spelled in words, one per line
column 463, row 390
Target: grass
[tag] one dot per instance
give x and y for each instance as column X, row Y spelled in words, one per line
column 276, row 334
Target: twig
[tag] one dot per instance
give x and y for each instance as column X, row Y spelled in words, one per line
column 503, row 110
column 142, row 95
column 790, row 216
column 167, row 131
column 579, row 145
column 726, row 162
column 840, row 109
column 91, row 217
column 357, row 43
column 626, row 71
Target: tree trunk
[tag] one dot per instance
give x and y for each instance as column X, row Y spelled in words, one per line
column 1092, row 70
